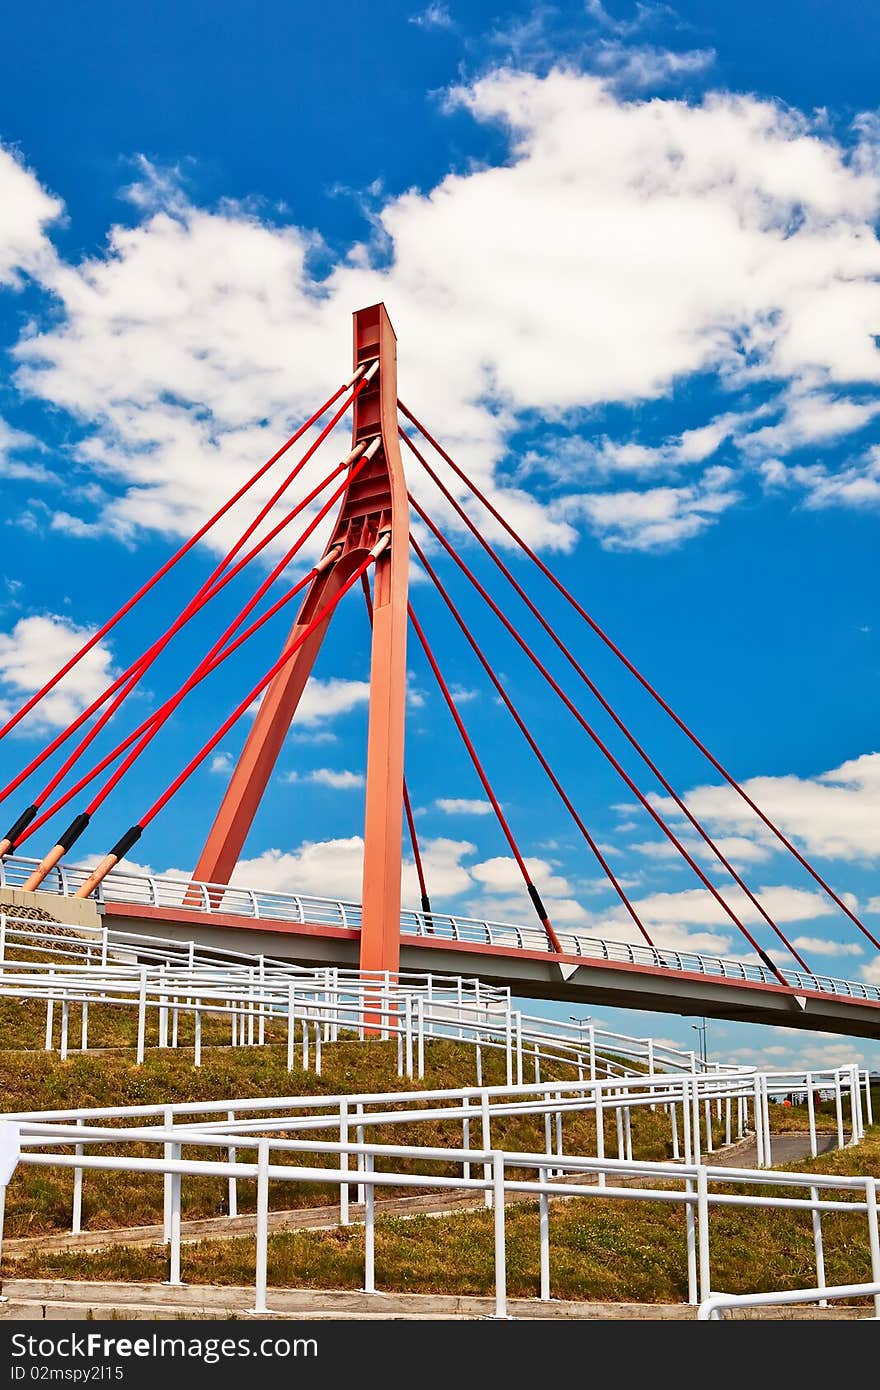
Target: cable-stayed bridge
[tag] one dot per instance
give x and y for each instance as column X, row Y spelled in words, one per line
column 366, row 507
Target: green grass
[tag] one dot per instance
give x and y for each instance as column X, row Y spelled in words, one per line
column 601, row 1249
column 39, row 1199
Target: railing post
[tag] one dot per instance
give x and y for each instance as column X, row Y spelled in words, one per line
column 703, row 1230
column 232, row 1154
column 262, row 1261
column 50, row 1010
column 500, row 1248
column 407, row 1023
column 544, row 1235
column 818, row 1248
column 369, row 1227
column 174, row 1267
column 690, row 1230
column 758, row 1116
column 869, row 1100
column 519, row 1049
column 838, row 1103
column 686, row 1120
column 420, row 1016
column 167, row 1122
column 343, row 1163
column 599, row 1109
column 142, row 1016
column 291, row 1033
column 76, row 1215
column 873, row 1237
column 65, row 1019
column 486, row 1141
column 197, row 1035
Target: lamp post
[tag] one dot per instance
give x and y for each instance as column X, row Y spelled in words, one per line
column 702, row 1028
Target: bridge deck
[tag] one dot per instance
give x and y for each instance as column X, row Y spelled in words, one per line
column 323, row 931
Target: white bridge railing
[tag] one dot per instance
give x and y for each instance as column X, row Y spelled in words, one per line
column 232, row 1130
column 186, row 895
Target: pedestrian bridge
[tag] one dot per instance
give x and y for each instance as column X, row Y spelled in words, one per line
column 591, row 969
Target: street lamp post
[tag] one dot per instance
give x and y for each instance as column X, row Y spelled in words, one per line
column 702, row 1028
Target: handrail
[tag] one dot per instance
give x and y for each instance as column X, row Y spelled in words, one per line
column 168, row 891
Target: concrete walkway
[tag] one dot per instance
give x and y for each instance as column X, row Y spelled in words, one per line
column 53, row 1300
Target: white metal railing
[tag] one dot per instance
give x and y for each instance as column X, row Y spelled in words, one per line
column 174, row 979
column 492, row 1172
column 186, row 895
column 713, row 1307
column 316, row 1007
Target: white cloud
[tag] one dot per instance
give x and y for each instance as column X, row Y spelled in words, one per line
column 856, row 484
column 434, row 16
column 835, row 814
column 33, row 651
column 823, row 946
column 645, row 65
column 221, row 763
column 648, row 241
column 657, row 517
column 342, row 780
column 810, row 416
column 873, row 905
column 334, row 868
column 737, row 848
column 26, row 209
column 463, row 806
column 326, row 699
column 697, row 907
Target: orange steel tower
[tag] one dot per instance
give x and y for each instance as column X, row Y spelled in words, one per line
column 374, row 504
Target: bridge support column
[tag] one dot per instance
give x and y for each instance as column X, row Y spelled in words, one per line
column 374, row 505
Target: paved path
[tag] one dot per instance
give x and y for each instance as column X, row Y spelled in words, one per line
column 788, row 1147
column 50, row 1299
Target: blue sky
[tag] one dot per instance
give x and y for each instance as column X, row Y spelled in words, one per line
column 631, row 255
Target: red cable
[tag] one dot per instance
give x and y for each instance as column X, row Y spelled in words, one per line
column 240, row 709
column 601, row 746
column 508, row 834
column 407, row 804
column 162, row 571
column 204, row 667
column 530, row 740
column 162, row 711
column 609, row 709
column 142, row 663
column 719, row 768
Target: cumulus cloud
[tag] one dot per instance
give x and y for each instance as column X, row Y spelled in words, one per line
column 835, row 814
column 463, row 806
column 336, row 779
column 725, row 236
column 656, row 517
column 334, row 868
column 824, row 946
column 26, row 210
column 324, row 700
column 32, row 652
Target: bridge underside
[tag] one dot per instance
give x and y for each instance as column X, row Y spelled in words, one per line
column 530, row 975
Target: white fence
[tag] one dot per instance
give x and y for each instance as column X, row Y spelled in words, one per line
column 186, row 895
column 168, row 980
column 696, row 1187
